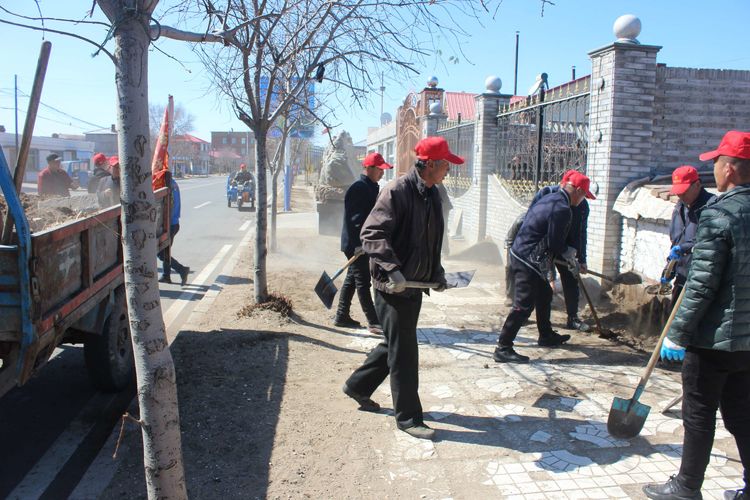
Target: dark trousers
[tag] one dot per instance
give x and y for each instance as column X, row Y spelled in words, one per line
column 397, row 355
column 166, row 258
column 531, row 292
column 679, row 284
column 571, row 292
column 357, row 278
column 710, row 380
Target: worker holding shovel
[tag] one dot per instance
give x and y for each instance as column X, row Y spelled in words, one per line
column 403, row 237
column 358, row 202
column 711, row 327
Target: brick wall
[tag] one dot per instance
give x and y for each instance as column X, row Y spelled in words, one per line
column 693, row 108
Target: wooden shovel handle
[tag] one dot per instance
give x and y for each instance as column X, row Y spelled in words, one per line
column 591, row 304
column 655, row 355
column 348, row 263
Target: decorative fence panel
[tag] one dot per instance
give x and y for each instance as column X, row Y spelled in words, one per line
column 543, row 136
column 460, row 137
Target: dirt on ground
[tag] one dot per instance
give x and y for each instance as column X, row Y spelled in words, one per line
column 45, row 212
column 261, row 411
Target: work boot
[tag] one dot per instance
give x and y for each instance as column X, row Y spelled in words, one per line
column 742, row 494
column 508, row 355
column 165, row 279
column 346, row 322
column 552, row 339
column 365, row 403
column 420, row 431
column 184, row 275
column 577, row 324
column 671, row 490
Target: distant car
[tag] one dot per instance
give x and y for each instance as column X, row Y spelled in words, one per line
column 78, row 170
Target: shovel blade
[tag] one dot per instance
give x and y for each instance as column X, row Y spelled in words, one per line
column 326, row 290
column 626, row 418
column 460, row 279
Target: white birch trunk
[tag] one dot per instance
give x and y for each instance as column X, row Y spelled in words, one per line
column 157, row 389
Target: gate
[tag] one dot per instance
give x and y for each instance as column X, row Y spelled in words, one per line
column 460, row 137
column 541, row 137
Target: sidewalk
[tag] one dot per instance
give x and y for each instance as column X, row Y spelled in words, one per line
column 263, row 415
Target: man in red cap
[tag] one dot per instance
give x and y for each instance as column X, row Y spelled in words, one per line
column 243, row 175
column 577, row 239
column 403, row 236
column 542, row 237
column 358, row 202
column 108, row 190
column 100, row 172
column 693, row 197
column 712, row 326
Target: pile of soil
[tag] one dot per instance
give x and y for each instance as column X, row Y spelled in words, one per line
column 44, row 212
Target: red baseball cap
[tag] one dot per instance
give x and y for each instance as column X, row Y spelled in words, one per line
column 734, row 143
column 99, row 159
column 567, row 175
column 113, row 160
column 580, row 181
column 682, row 178
column 436, row 148
column 376, row 160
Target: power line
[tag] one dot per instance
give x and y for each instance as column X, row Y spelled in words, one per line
column 68, row 115
column 46, row 118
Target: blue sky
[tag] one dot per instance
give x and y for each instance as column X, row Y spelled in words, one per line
column 81, row 89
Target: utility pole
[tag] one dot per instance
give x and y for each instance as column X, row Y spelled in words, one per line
column 15, row 94
column 515, row 72
column 382, row 92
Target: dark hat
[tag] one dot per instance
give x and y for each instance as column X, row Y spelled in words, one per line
column 53, row 157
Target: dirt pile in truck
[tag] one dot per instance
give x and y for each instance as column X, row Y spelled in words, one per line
column 45, row 212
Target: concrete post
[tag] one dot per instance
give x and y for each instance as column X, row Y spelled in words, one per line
column 623, row 88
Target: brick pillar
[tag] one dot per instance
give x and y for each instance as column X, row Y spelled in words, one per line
column 431, row 122
column 623, row 87
column 485, row 151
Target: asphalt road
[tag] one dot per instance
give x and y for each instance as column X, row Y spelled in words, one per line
column 53, row 427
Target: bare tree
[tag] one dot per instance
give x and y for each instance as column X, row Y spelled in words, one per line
column 278, row 46
column 183, row 122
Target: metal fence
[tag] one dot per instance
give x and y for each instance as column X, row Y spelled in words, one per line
column 542, row 137
column 460, row 137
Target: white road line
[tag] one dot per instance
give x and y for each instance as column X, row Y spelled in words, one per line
column 244, row 226
column 184, row 299
column 203, row 204
column 38, row 479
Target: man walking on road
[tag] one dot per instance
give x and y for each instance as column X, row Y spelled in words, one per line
column 358, row 202
column 403, row 237
column 711, row 329
column 542, row 237
column 169, row 263
column 693, row 197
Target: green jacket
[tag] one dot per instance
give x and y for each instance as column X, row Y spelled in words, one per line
column 715, row 310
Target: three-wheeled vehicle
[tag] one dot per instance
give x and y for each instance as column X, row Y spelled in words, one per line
column 240, row 193
column 66, row 285
column 78, row 170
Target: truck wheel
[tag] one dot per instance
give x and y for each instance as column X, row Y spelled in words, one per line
column 239, row 204
column 109, row 356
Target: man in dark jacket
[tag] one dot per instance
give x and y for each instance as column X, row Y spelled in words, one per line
column 358, row 202
column 693, row 197
column 403, row 236
column 711, row 328
column 542, row 237
column 577, row 238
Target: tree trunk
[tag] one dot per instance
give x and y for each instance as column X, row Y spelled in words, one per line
column 157, row 389
column 275, row 192
column 261, row 218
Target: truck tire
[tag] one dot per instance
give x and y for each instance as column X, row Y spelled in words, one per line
column 109, row 356
column 239, row 203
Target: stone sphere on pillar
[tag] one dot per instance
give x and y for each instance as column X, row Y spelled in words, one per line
column 627, row 28
column 436, row 108
column 432, row 82
column 493, row 84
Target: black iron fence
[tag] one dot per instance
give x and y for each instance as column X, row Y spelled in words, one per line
column 543, row 136
column 460, row 137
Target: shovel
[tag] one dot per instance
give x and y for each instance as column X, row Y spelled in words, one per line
column 627, row 416
column 460, row 279
column 325, row 289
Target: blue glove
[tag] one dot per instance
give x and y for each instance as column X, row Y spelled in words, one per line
column 671, row 351
column 675, row 253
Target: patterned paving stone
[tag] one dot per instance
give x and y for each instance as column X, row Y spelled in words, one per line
column 596, row 434
column 507, row 413
column 500, row 385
